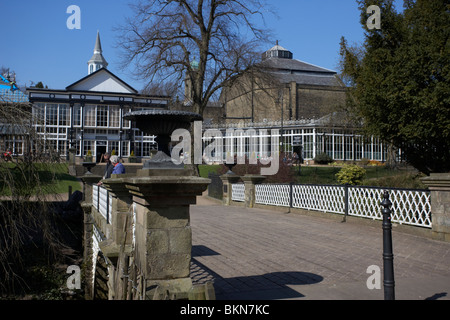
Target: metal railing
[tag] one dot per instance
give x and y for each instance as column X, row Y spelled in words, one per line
column 319, row 197
column 272, row 194
column 102, row 202
column 238, row 192
column 410, row 207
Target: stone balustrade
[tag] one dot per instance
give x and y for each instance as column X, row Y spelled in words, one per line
column 147, row 241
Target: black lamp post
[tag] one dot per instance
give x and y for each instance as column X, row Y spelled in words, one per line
column 388, row 256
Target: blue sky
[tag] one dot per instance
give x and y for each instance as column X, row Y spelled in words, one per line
column 38, row 46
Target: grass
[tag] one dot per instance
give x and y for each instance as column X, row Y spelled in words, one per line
column 316, row 175
column 64, row 180
column 54, row 178
column 205, row 169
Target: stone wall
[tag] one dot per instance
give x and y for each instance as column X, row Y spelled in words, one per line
column 78, row 170
column 439, row 185
column 263, row 101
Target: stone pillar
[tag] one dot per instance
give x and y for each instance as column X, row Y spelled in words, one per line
column 293, row 100
column 72, row 161
column 250, row 182
column 228, row 179
column 163, row 237
column 88, row 181
column 72, row 156
column 439, row 185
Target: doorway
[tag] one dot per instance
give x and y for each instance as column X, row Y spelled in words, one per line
column 100, row 151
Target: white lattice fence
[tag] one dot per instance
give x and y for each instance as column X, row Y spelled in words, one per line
column 412, row 207
column 320, row 198
column 408, row 206
column 95, row 196
column 238, row 192
column 104, row 203
column 272, row 194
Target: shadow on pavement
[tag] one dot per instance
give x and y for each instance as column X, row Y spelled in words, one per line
column 269, row 286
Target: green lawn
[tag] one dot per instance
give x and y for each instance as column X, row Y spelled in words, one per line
column 316, row 175
column 53, row 178
column 64, row 180
column 205, row 169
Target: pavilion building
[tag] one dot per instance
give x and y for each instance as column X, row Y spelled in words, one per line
column 88, row 115
column 301, row 100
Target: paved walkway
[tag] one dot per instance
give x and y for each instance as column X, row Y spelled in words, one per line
column 263, row 254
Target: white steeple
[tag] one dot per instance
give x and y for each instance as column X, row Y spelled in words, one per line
column 97, row 61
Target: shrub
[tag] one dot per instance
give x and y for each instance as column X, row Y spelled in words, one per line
column 375, row 163
column 351, row 174
column 322, row 158
column 285, row 173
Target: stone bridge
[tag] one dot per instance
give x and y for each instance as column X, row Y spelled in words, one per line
column 137, row 236
column 138, row 245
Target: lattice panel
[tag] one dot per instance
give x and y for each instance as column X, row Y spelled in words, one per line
column 95, row 196
column 320, row 198
column 272, row 194
column 103, row 203
column 408, row 206
column 238, row 192
column 411, row 207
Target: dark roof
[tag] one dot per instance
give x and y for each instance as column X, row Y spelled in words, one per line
column 288, row 70
column 293, row 64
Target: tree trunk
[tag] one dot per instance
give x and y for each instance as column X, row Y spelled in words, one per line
column 391, row 162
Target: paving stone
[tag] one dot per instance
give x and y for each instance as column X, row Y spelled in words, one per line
column 267, row 254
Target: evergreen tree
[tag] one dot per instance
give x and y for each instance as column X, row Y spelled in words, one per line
column 400, row 84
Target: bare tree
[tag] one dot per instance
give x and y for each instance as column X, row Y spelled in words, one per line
column 209, row 41
column 25, row 213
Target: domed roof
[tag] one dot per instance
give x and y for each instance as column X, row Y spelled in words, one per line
column 278, row 51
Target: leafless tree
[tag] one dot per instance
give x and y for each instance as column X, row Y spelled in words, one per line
column 25, row 213
column 211, row 42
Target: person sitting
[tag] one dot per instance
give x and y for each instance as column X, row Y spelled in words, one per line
column 118, row 167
